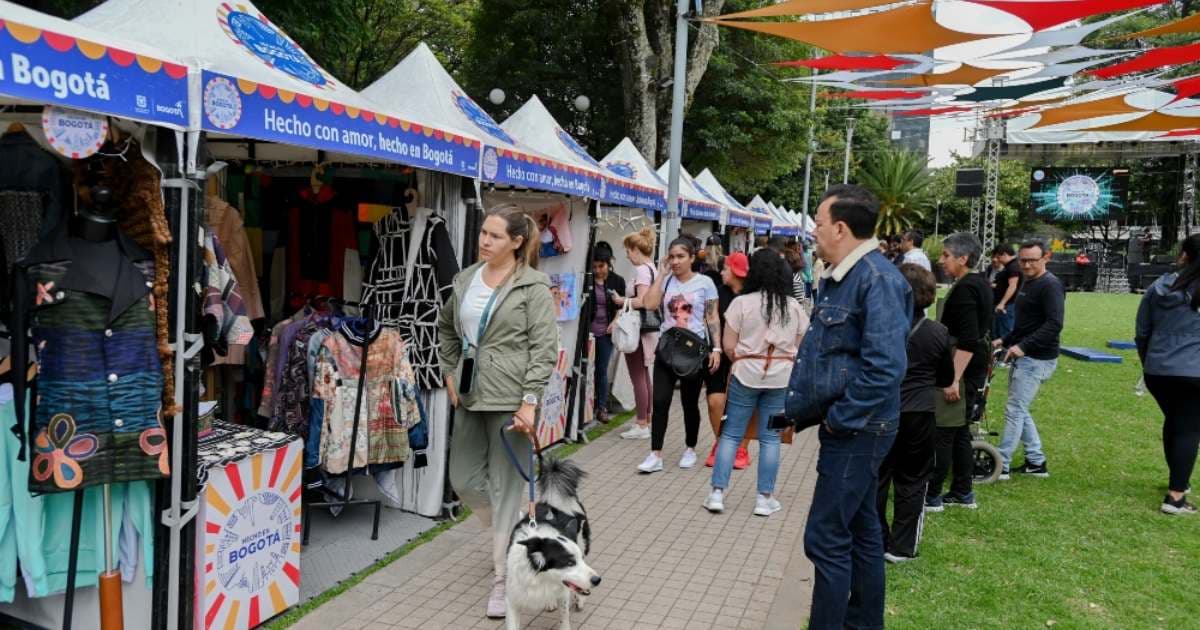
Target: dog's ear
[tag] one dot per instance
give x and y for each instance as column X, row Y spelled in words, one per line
column 534, row 549
column 571, row 529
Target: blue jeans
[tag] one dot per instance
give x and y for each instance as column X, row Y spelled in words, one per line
column 740, row 406
column 843, row 537
column 1024, row 380
column 604, row 351
column 1002, row 323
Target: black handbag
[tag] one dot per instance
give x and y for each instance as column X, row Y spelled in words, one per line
column 685, row 352
column 651, row 317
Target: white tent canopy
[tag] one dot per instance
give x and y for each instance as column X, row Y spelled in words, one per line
column 785, row 224
column 253, row 81
column 714, row 187
column 52, row 61
column 762, row 214
column 694, row 202
column 574, row 168
column 626, row 161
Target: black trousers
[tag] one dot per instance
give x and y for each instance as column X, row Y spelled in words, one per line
column 952, row 450
column 907, row 467
column 1179, row 399
column 689, row 397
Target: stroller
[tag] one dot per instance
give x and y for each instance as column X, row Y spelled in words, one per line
column 988, row 465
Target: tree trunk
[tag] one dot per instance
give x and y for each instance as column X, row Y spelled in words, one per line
column 636, row 58
column 647, row 58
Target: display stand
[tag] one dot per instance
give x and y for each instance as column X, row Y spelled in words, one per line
column 343, row 498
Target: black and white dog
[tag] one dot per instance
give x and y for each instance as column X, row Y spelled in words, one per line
column 546, row 567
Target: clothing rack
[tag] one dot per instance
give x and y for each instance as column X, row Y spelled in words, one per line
column 343, row 498
column 578, row 386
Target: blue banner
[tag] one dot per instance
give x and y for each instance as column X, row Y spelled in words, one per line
column 45, row 67
column 503, row 166
column 267, row 113
column 762, row 226
column 622, row 193
column 737, row 219
column 699, row 210
column 786, row 230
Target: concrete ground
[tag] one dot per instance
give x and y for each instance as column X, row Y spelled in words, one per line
column 665, row 560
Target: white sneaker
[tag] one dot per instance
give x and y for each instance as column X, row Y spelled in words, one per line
column 688, row 460
column 715, row 502
column 652, row 464
column 766, row 506
column 892, row 558
column 637, row 432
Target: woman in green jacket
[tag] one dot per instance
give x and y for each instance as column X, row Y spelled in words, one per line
column 498, row 345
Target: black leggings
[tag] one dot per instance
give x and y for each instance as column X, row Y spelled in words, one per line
column 1179, row 399
column 689, row 397
column 907, row 466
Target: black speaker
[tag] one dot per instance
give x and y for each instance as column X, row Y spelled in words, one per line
column 968, row 182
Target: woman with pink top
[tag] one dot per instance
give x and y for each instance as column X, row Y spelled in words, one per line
column 639, row 247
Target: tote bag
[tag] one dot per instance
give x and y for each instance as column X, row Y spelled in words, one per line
column 627, row 333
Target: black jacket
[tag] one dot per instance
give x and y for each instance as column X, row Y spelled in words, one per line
column 27, row 166
column 968, row 316
column 614, row 282
column 930, row 365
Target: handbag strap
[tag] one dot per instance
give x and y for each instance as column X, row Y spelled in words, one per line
column 767, row 358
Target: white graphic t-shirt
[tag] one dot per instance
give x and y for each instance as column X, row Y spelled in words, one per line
column 683, row 303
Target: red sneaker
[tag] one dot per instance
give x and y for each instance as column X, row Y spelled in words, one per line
column 712, row 457
column 742, row 460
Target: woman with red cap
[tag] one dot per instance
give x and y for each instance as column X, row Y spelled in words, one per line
column 733, row 271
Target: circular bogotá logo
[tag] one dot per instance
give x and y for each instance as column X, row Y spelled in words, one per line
column 479, row 118
column 1078, row 195
column 624, row 169
column 222, row 103
column 261, row 38
column 1039, row 175
column 254, row 543
column 570, row 143
column 491, row 163
column 72, row 133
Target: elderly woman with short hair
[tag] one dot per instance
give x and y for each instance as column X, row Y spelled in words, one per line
column 967, row 314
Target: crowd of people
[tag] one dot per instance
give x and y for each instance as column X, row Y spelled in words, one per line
column 786, row 339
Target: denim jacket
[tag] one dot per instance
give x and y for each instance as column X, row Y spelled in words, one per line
column 1168, row 331
column 853, row 357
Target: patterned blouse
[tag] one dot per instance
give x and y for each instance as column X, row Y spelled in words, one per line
column 90, row 311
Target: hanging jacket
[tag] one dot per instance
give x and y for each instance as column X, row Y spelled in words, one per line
column 518, row 348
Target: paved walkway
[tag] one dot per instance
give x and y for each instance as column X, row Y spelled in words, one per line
column 666, row 562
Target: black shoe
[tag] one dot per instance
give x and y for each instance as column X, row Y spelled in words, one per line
column 1170, row 506
column 960, row 500
column 1035, row 470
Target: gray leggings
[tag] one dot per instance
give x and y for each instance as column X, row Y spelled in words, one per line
column 484, row 478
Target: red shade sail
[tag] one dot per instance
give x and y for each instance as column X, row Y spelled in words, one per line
column 1153, row 58
column 1041, row 14
column 877, row 95
column 1186, row 87
column 932, row 111
column 847, row 62
column 1179, row 133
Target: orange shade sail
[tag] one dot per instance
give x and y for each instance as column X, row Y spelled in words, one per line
column 909, row 29
column 966, row 74
column 1110, row 106
column 1154, row 121
column 802, row 7
column 1189, row 24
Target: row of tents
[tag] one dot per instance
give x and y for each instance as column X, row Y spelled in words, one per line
column 224, row 69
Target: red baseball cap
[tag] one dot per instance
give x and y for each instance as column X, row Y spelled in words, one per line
column 738, row 264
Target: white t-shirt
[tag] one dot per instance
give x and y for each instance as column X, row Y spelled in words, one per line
column 683, row 303
column 473, row 303
column 917, row 256
column 745, row 317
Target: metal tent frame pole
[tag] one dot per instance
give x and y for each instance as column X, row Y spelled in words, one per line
column 995, row 137
column 1188, row 202
column 670, row 227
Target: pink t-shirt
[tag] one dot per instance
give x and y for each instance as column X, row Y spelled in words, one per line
column 745, row 317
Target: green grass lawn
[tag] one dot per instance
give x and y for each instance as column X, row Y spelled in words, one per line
column 1086, row 548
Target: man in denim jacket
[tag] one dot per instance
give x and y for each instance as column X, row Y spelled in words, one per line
column 847, row 377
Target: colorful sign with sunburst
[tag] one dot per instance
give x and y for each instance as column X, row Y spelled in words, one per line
column 250, row 543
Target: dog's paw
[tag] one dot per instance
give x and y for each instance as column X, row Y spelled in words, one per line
column 577, row 602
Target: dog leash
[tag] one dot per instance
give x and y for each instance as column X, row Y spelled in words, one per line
column 530, row 476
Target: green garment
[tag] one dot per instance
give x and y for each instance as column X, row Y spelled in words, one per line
column 518, row 348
